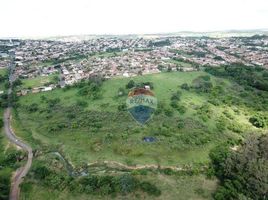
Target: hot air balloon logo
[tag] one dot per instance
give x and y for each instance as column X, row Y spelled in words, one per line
column 141, row 104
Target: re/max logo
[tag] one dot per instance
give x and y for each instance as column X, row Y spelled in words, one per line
column 141, row 100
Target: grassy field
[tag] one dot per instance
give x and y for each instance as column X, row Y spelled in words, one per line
column 180, row 63
column 3, row 72
column 120, row 137
column 99, row 131
column 38, row 81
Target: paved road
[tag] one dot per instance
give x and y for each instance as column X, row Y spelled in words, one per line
column 20, row 173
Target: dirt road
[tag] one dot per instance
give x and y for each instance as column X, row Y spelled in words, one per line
column 20, row 173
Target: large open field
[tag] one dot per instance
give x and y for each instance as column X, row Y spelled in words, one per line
column 101, row 132
column 87, row 128
column 39, row 81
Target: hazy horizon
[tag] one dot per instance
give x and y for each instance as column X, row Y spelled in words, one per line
column 50, row 18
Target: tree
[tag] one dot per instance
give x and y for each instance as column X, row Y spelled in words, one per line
column 4, row 184
column 202, row 84
column 81, row 103
column 218, row 155
column 130, row 84
column 258, row 121
column 127, row 183
column 244, row 172
column 185, row 86
column 122, row 107
column 150, row 189
column 17, row 82
column 41, row 172
column 1, row 123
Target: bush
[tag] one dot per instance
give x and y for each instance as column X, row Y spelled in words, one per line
column 130, row 84
column 32, row 108
column 174, row 104
column 81, row 103
column 221, row 124
column 4, row 184
column 1, row 123
column 150, row 189
column 181, row 124
column 185, row 86
column 258, row 121
column 182, row 109
column 122, row 107
column 127, row 183
column 168, row 112
column 202, row 84
column 176, row 96
column 105, row 185
column 41, row 172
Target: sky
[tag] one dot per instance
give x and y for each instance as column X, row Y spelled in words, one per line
column 45, row 18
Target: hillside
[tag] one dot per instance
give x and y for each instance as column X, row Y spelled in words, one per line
column 88, row 125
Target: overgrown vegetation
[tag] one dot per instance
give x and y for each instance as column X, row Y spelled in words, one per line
column 88, row 121
column 243, row 171
column 9, row 161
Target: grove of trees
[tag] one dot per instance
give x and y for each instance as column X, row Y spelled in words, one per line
column 242, row 171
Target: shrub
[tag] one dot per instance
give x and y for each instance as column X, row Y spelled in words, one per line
column 122, row 107
column 32, row 108
column 174, row 104
column 150, row 188
column 81, row 103
column 168, row 112
column 185, row 86
column 41, row 172
column 181, row 124
column 130, row 84
column 176, row 96
column 127, row 183
column 258, row 121
column 182, row 109
column 1, row 123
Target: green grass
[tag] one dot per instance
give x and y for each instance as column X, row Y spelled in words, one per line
column 38, row 81
column 3, row 72
column 87, row 145
column 120, row 138
column 110, row 88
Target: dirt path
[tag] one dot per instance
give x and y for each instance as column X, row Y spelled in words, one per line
column 17, row 178
column 115, row 164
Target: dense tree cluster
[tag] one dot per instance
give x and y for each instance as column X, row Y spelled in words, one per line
column 244, row 75
column 243, row 173
column 90, row 88
column 92, row 184
column 132, row 84
column 202, row 84
column 159, row 43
